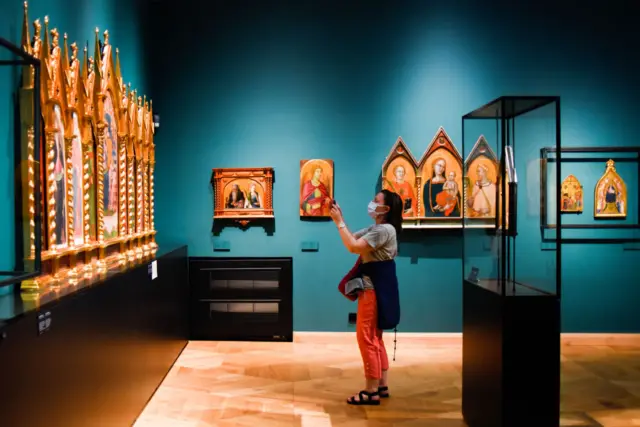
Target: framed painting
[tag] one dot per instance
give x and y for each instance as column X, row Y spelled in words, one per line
column 75, row 152
column 87, row 179
column 399, row 175
column 89, row 143
column 107, row 130
column 572, row 195
column 610, row 195
column 242, row 194
column 481, row 183
column 54, row 111
column 441, row 179
column 316, row 187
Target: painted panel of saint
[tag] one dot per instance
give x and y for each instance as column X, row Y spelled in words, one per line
column 610, row 194
column 110, row 171
column 572, row 195
column 76, row 180
column 400, row 178
column 481, row 181
column 91, row 177
column 243, row 193
column 481, row 199
column 442, row 177
column 316, row 187
column 59, row 182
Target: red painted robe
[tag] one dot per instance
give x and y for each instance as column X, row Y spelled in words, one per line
column 405, row 191
column 312, row 196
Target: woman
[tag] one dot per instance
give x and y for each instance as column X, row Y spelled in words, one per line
column 375, row 244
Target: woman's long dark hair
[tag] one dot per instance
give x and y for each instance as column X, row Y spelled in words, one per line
column 394, row 216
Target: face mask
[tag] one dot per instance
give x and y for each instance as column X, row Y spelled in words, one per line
column 372, row 210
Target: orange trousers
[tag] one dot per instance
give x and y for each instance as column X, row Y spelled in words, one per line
column 374, row 355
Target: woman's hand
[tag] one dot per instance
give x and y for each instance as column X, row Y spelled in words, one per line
column 336, row 214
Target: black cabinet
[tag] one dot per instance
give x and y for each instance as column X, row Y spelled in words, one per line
column 108, row 348
column 241, row 299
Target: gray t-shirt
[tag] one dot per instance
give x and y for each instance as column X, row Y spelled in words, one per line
column 382, row 238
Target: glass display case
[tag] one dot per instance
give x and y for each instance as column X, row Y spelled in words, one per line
column 503, row 248
column 14, row 56
column 510, row 271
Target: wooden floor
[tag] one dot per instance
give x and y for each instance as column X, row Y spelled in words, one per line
column 305, row 383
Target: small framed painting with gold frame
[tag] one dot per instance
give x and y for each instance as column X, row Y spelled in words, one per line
column 610, row 194
column 242, row 194
column 572, row 196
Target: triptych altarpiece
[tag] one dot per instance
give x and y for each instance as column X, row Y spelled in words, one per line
column 97, row 163
column 432, row 187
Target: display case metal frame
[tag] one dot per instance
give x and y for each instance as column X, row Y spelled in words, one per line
column 504, row 110
column 545, row 159
column 22, row 59
column 511, row 330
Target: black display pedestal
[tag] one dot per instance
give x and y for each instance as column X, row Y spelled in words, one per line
column 510, row 356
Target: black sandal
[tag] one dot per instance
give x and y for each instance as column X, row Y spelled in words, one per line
column 383, row 392
column 368, row 401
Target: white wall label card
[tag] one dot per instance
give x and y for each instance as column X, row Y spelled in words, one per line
column 153, row 269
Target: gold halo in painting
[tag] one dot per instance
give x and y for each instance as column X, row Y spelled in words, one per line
column 610, row 198
column 308, row 168
column 490, row 165
column 572, row 195
column 491, row 168
column 452, row 165
column 315, row 196
column 244, row 185
column 407, row 191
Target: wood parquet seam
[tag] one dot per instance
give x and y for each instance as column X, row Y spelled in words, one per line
column 305, row 383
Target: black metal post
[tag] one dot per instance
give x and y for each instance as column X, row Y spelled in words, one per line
column 513, row 214
column 502, row 200
column 558, row 204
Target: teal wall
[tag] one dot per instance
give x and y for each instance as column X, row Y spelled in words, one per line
column 78, row 18
column 250, row 83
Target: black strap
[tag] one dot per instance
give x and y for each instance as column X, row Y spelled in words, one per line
column 395, row 335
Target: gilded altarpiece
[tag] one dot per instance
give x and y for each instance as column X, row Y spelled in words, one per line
column 432, row 188
column 90, row 180
column 481, row 185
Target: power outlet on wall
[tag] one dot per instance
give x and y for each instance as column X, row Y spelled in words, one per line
column 352, row 318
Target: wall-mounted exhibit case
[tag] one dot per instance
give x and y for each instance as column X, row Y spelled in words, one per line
column 97, row 186
column 31, row 65
column 599, row 194
column 511, row 286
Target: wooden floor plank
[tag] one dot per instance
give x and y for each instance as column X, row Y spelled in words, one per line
column 305, row 383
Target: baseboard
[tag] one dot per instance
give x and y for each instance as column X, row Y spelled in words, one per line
column 569, row 339
column 610, row 339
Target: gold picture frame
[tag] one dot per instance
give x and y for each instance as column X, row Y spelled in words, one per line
column 481, row 189
column 316, row 187
column 432, row 188
column 80, row 98
column 232, row 188
column 572, row 195
column 399, row 174
column 441, row 173
column 610, row 195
